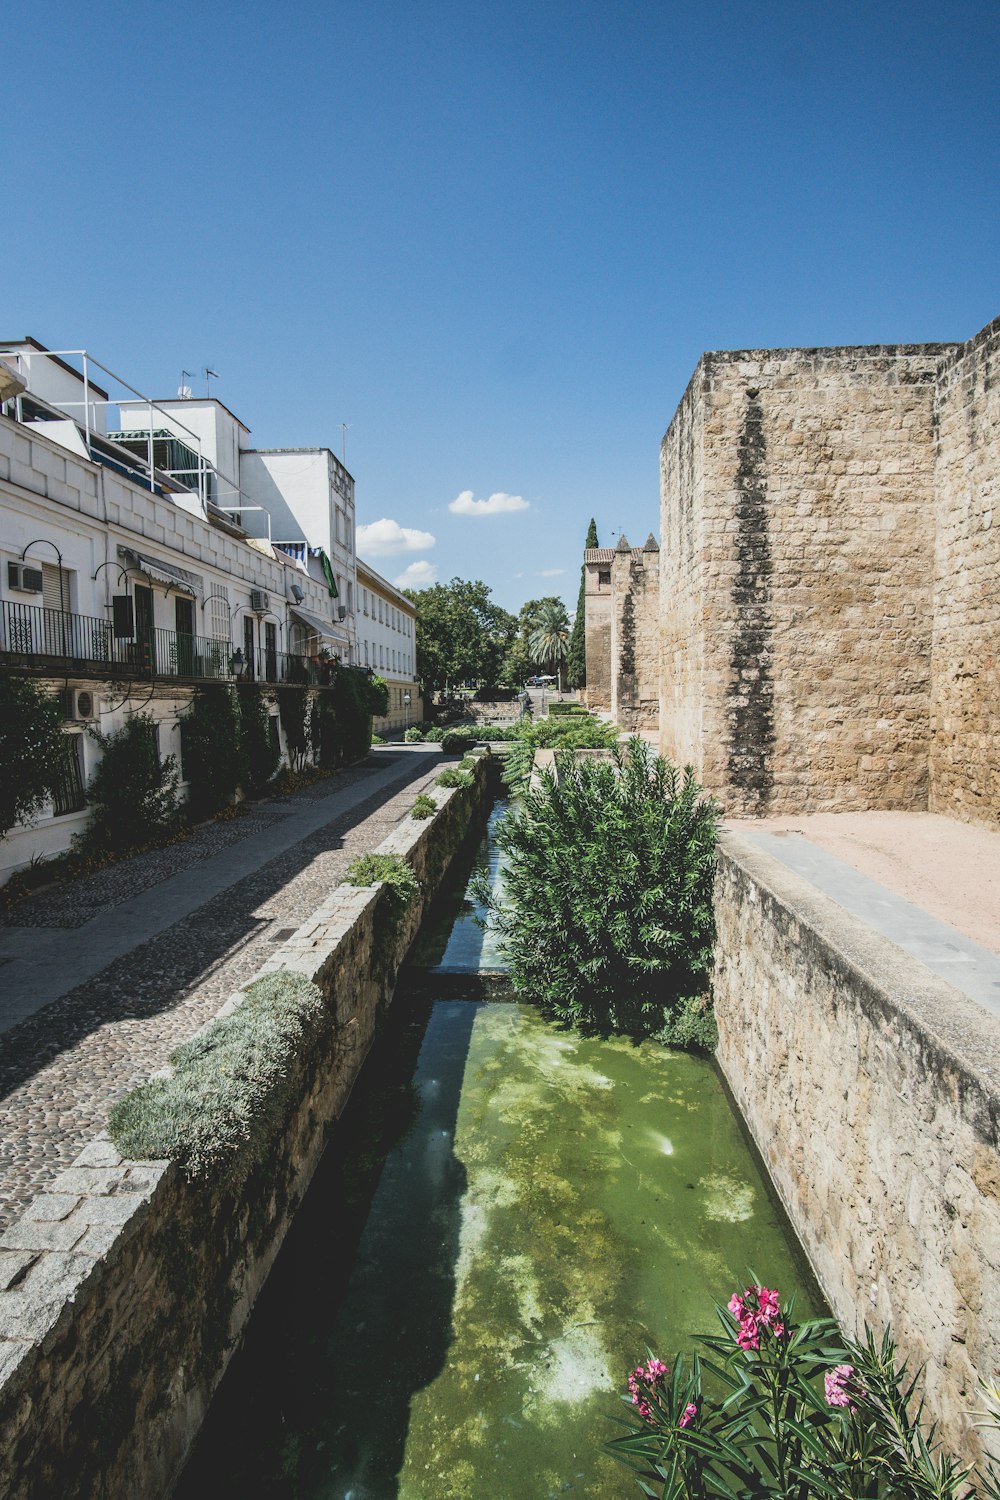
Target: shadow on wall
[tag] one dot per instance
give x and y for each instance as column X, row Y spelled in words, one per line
column 356, row 1317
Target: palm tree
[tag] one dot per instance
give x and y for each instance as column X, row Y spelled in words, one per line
column 550, row 635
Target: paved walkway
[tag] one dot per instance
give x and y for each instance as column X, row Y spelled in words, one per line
column 103, row 1002
column 961, row 881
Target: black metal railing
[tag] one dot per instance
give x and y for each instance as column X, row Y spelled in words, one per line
column 34, row 637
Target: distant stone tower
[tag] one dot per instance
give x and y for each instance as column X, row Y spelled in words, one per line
column 635, row 635
column 622, row 632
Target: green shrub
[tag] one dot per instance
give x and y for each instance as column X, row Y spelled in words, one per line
column 260, row 752
column 454, row 776
column 32, row 749
column 378, row 739
column 424, row 807
column 356, row 697
column 456, row 743
column 560, row 709
column 232, row 1088
column 133, row 793
column 605, row 911
column 392, row 870
column 213, row 750
column 413, row 735
column 435, row 734
column 468, row 763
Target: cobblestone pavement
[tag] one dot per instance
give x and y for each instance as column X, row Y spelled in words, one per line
column 63, row 1068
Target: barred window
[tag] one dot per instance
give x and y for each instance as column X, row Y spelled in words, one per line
column 68, row 795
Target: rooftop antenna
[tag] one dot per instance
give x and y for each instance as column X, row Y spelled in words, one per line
column 184, row 390
column 209, row 375
column 344, row 428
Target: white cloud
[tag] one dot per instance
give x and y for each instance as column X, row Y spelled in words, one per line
column 498, row 504
column 551, row 572
column 417, row 576
column 385, row 538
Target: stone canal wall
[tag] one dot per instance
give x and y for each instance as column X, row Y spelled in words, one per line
column 124, row 1288
column 872, row 1090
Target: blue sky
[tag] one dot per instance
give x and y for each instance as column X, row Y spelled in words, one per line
column 493, row 239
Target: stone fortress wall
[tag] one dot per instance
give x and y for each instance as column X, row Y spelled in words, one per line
column 829, row 612
column 965, row 679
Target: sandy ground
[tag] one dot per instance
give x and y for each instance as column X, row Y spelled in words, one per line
column 949, row 869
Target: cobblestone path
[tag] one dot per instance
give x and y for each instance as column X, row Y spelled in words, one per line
column 63, row 1068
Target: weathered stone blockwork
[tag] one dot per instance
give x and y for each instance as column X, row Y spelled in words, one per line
column 964, row 761
column 830, row 616
column 872, row 1090
column 597, row 625
column 798, row 543
column 123, row 1289
column 622, row 631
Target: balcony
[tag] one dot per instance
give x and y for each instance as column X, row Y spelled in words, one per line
column 42, row 640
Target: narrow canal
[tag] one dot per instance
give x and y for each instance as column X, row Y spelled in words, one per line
column 507, row 1217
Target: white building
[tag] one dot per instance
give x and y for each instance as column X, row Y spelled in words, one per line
column 123, row 587
column 307, row 500
column 387, row 644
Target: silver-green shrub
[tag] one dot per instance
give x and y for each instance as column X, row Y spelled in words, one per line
column 232, row 1088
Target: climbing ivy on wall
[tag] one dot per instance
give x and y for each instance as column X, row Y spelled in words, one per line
column 294, row 712
column 259, row 749
column 212, row 741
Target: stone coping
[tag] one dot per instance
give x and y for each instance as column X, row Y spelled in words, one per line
column 888, row 980
column 53, row 1259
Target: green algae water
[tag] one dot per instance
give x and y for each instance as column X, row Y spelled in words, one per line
column 508, row 1216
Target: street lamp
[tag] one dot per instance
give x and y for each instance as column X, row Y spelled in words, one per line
column 406, row 706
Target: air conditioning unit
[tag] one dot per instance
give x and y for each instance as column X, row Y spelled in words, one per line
column 24, row 579
column 80, row 705
column 260, row 602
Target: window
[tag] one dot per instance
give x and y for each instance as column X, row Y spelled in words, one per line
column 381, row 617
column 218, row 614
column 68, row 795
column 350, row 596
column 381, row 657
column 367, row 662
column 604, row 580
column 364, row 600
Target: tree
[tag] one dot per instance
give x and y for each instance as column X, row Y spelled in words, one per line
column 576, row 657
column 32, row 749
column 550, row 635
column 462, row 635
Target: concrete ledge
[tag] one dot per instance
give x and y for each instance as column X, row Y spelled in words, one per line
column 124, row 1288
column 871, row 1089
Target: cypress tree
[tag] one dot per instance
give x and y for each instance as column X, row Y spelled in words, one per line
column 576, row 656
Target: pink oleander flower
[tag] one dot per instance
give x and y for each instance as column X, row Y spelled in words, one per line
column 656, row 1372
column 688, row 1415
column 840, row 1387
column 642, row 1380
column 757, row 1311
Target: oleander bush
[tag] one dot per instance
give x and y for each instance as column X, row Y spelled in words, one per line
column 232, row 1088
column 605, row 909
column 790, row 1412
column 414, row 735
column 424, row 807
